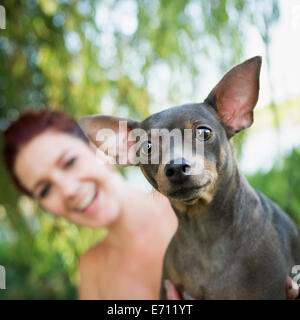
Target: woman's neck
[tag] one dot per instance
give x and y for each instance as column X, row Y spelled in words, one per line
column 135, row 214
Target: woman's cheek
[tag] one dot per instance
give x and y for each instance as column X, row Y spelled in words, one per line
column 55, row 206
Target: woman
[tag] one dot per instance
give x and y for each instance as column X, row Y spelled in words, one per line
column 50, row 159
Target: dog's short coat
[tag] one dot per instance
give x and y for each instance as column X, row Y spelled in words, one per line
column 232, row 242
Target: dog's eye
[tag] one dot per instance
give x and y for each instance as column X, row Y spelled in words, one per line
column 146, row 148
column 203, row 133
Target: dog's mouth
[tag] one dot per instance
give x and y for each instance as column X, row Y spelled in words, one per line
column 188, row 194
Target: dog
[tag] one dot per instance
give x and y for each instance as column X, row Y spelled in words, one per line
column 232, row 242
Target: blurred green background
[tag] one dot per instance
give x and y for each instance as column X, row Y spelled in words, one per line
column 132, row 58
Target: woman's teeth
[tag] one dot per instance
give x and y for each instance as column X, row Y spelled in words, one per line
column 86, row 201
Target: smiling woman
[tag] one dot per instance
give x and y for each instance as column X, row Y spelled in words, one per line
column 49, row 158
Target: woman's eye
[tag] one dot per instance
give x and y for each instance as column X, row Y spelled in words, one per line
column 70, row 162
column 147, row 148
column 203, row 133
column 45, row 191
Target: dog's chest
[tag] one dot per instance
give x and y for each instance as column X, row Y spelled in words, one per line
column 226, row 269
column 210, row 272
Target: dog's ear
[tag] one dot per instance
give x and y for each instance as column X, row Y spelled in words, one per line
column 235, row 96
column 111, row 135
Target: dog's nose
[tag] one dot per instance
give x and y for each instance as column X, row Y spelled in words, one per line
column 177, row 171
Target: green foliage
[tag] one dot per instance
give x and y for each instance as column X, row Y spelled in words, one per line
column 80, row 56
column 281, row 184
column 56, row 55
column 42, row 264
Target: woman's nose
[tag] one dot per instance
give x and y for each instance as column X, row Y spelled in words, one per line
column 68, row 185
column 70, row 188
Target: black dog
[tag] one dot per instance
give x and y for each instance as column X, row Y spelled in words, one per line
column 232, row 242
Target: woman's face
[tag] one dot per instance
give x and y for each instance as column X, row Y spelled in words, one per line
column 63, row 173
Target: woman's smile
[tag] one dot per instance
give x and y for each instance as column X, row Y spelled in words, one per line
column 89, row 202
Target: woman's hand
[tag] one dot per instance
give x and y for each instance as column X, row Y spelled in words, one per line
column 173, row 293
column 291, row 293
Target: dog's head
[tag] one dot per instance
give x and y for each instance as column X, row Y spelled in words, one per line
column 183, row 151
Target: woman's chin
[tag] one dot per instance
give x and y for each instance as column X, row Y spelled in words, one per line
column 98, row 219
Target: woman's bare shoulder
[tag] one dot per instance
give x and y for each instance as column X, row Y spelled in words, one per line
column 163, row 207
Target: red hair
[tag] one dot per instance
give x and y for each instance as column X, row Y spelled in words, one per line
column 30, row 124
